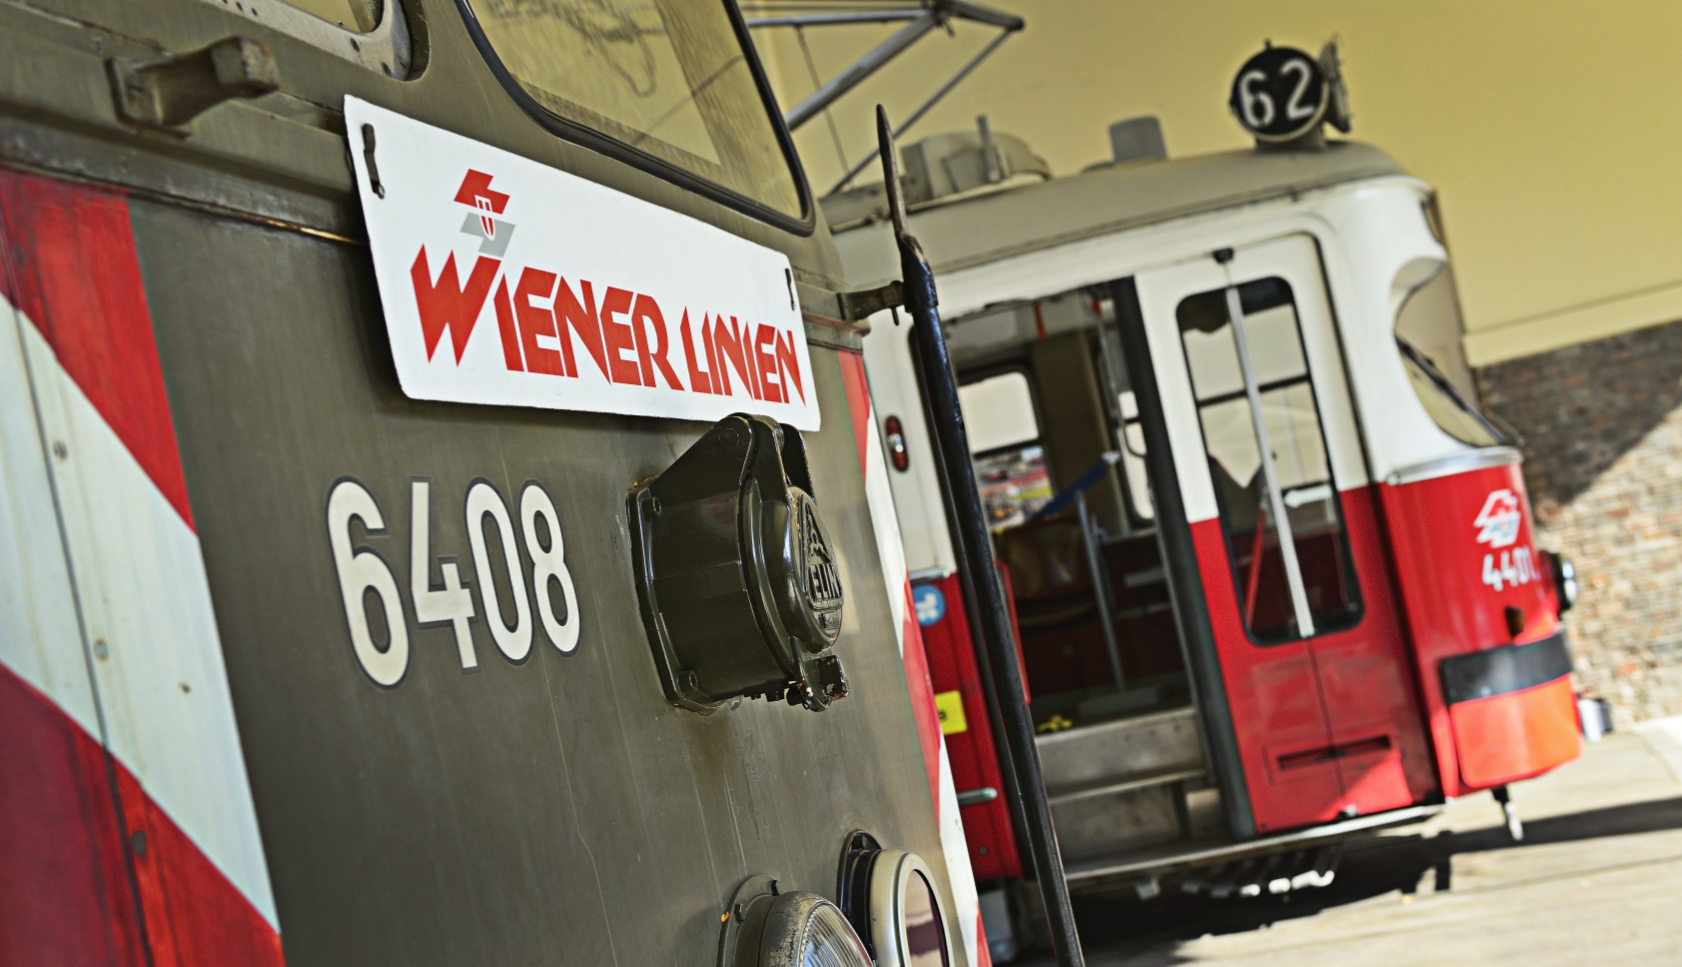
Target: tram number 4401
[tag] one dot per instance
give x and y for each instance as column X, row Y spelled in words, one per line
column 363, row 574
column 1515, row 568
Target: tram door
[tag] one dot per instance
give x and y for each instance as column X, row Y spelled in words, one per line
column 1269, row 461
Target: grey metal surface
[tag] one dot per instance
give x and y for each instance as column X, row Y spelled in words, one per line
column 558, row 808
column 860, row 69
column 1116, row 822
column 1096, row 872
column 1106, row 200
column 1112, row 752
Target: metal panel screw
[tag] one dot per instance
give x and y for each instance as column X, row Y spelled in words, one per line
column 100, row 650
column 138, row 842
column 60, row 450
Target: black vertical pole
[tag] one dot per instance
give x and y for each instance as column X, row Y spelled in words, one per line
column 976, row 545
column 1179, row 564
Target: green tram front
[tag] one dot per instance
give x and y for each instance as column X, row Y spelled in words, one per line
column 434, row 523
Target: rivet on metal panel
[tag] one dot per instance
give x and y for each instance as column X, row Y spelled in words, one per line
column 100, row 649
column 60, row 450
column 137, row 842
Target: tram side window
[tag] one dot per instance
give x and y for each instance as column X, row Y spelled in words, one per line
column 667, row 78
column 1004, row 443
column 1428, row 339
column 1292, row 420
column 358, row 15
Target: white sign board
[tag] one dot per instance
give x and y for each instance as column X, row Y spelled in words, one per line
column 507, row 282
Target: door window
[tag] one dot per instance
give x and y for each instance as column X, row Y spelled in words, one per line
column 1004, row 439
column 1295, row 580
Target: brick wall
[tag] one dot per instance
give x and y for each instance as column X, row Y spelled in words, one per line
column 1602, row 423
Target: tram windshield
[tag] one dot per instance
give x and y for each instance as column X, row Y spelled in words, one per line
column 669, row 78
column 1428, row 338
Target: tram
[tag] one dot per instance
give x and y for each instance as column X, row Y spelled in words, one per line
column 434, row 525
column 1271, row 570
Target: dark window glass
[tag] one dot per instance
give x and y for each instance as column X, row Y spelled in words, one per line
column 1292, row 420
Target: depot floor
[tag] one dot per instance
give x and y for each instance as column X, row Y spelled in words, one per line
column 1597, row 879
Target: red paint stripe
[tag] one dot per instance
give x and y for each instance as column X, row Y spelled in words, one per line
column 67, row 854
column 73, row 268
column 194, row 914
column 921, row 687
column 858, row 401
column 65, row 896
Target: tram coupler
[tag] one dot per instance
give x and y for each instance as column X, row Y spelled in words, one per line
column 1515, row 826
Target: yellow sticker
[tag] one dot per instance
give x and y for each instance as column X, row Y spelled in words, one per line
column 950, row 707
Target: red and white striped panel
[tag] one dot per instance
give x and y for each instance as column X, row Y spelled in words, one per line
column 127, row 829
column 885, row 521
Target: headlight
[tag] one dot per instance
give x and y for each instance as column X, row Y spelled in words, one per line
column 888, row 894
column 1565, row 580
column 764, row 928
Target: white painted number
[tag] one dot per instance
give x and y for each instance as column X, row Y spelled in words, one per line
column 1254, row 101
column 1516, row 567
column 361, row 571
column 1295, row 110
column 454, row 604
column 549, row 564
column 483, row 501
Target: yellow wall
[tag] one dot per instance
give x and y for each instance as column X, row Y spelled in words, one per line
column 1552, row 130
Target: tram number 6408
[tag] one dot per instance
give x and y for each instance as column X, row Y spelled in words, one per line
column 363, row 572
column 1517, row 567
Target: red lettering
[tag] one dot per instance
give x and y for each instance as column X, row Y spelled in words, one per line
column 731, row 351
column 619, row 338
column 574, row 315
column 764, row 339
column 720, row 379
column 449, row 305
column 505, row 325
column 788, row 364
column 699, row 380
column 537, row 321
column 754, row 386
column 644, row 314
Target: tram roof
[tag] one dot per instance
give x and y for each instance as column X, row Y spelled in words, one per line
column 992, row 226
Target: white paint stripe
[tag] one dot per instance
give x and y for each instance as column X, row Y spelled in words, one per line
column 162, row 689
column 879, row 496
column 39, row 638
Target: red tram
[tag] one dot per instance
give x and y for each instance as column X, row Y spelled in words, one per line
column 1299, row 596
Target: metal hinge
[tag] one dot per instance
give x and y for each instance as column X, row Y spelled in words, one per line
column 866, row 303
column 170, row 91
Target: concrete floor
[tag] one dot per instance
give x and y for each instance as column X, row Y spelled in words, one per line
column 1597, row 880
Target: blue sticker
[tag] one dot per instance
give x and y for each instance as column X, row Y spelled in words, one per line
column 929, row 602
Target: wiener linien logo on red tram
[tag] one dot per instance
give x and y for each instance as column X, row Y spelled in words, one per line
column 559, row 325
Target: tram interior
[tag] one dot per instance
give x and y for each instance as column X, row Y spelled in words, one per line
column 1045, row 397
column 1035, row 385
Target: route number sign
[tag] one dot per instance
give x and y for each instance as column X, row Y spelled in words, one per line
column 1279, row 94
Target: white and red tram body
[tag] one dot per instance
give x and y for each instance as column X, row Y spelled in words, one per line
column 1398, row 643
